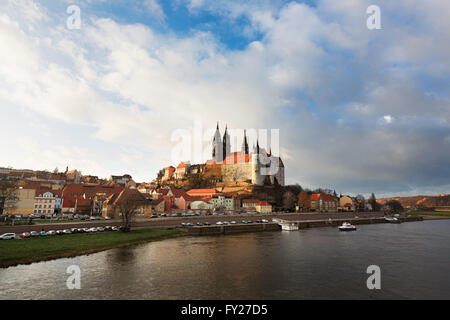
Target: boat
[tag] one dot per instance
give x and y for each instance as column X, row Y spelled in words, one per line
column 392, row 220
column 347, row 227
column 289, row 226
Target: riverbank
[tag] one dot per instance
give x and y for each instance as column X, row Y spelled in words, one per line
column 26, row 251
column 431, row 215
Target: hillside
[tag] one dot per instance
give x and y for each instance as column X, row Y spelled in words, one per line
column 441, row 200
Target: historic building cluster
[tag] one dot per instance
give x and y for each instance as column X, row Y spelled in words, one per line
column 257, row 166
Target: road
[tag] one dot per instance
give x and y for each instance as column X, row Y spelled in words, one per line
column 172, row 222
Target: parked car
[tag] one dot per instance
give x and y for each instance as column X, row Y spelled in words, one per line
column 114, row 228
column 199, row 224
column 43, row 234
column 8, row 236
column 34, row 234
column 59, row 232
column 25, row 235
column 154, row 216
column 100, row 229
column 264, row 221
column 51, row 233
column 233, row 222
column 74, row 230
column 189, row 224
column 207, row 224
column 108, row 228
column 93, row 229
column 107, row 218
column 67, row 231
column 219, row 223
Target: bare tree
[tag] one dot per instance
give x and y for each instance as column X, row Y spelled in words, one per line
column 8, row 196
column 127, row 209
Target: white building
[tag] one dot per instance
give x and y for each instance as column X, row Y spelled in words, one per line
column 49, row 202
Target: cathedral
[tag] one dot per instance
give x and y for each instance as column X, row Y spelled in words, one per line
column 257, row 167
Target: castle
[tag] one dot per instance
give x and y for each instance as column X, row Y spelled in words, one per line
column 256, row 167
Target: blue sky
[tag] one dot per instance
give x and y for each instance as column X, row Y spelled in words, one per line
column 358, row 110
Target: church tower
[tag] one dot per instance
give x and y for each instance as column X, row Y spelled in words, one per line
column 245, row 144
column 226, row 143
column 217, row 146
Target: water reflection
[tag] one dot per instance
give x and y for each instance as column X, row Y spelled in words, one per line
column 308, row 264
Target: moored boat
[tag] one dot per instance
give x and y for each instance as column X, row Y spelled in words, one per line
column 347, row 227
column 392, row 220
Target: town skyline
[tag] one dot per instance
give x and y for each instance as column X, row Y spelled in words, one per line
column 356, row 111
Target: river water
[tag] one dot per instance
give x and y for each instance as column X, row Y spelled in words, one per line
column 322, row 263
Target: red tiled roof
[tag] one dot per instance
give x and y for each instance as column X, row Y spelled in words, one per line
column 250, row 201
column 314, row 196
column 264, row 203
column 327, row 197
column 201, row 191
column 182, row 165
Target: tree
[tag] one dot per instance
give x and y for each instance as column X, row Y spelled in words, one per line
column 289, row 200
column 394, row 206
column 56, row 170
column 127, row 205
column 8, row 196
column 373, row 202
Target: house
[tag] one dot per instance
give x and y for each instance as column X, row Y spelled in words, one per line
column 79, row 198
column 158, row 205
column 249, row 203
column 323, row 202
column 182, row 169
column 127, row 198
column 48, row 202
column 25, row 203
column 120, row 180
column 201, row 205
column 168, row 173
column 224, row 202
column 346, row 204
column 264, row 206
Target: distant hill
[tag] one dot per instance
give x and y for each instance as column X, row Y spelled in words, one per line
column 440, row 200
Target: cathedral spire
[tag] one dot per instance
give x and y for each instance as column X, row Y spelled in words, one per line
column 226, row 143
column 245, row 143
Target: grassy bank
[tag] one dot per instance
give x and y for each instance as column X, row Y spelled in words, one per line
column 430, row 213
column 24, row 251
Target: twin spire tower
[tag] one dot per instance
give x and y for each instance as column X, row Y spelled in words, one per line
column 221, row 147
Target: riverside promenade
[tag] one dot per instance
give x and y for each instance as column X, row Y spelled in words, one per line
column 309, row 219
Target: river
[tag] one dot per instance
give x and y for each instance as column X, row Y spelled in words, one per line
column 321, row 263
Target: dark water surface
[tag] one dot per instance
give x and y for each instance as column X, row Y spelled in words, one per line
column 318, row 263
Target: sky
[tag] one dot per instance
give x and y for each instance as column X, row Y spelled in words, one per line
column 358, row 110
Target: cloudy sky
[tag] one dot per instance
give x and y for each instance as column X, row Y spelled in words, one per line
column 357, row 110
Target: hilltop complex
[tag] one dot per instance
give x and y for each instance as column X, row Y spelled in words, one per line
column 256, row 167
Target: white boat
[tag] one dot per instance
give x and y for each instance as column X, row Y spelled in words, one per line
column 289, row 226
column 392, row 220
column 347, row 227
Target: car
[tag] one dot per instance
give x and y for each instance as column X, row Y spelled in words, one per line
column 67, row 231
column 108, row 228
column 92, row 218
column 226, row 222
column 43, row 233
column 244, row 221
column 233, row 222
column 92, row 229
column 189, row 224
column 250, row 221
column 183, row 224
column 100, row 229
column 74, row 230
column 207, row 224
column 59, row 232
column 34, row 234
column 114, row 228
column 154, row 216
column 25, row 235
column 219, row 223
column 107, row 218
column 264, row 221
column 8, row 236
column 199, row 224
column 51, row 233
